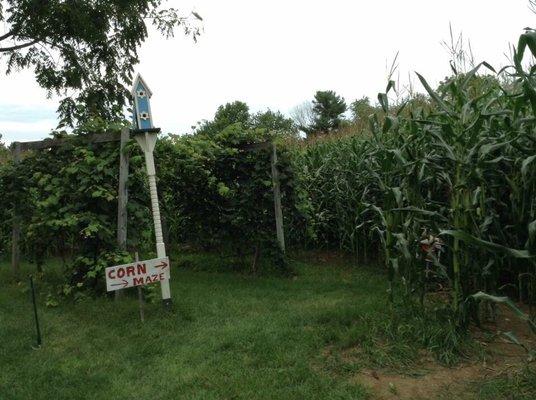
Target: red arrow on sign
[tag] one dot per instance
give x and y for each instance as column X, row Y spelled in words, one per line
column 162, row 265
column 124, row 284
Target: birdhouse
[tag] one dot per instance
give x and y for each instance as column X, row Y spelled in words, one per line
column 141, row 95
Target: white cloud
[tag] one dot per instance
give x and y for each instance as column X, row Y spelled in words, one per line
column 276, row 54
column 13, row 131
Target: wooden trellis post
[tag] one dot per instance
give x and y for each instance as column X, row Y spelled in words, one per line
column 122, row 196
column 15, row 237
column 277, row 200
column 280, row 231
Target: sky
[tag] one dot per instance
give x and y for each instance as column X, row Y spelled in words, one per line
column 276, row 54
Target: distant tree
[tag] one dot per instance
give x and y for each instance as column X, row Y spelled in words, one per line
column 4, row 152
column 232, row 113
column 274, row 121
column 303, row 116
column 237, row 112
column 361, row 109
column 83, row 50
column 328, row 107
column 414, row 103
column 228, row 114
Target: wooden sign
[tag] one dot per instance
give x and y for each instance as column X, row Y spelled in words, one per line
column 137, row 273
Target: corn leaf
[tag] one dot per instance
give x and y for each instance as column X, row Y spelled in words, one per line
column 470, row 239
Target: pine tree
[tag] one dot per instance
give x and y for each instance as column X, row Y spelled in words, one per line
column 328, row 108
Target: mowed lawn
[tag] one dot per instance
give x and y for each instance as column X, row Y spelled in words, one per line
column 230, row 336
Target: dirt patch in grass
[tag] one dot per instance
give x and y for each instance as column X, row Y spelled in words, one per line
column 430, row 381
column 427, row 379
column 506, row 321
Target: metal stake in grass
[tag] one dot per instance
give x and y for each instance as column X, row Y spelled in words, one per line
column 38, row 330
column 140, row 295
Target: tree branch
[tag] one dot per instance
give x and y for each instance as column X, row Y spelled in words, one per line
column 19, row 46
column 14, row 31
column 8, row 34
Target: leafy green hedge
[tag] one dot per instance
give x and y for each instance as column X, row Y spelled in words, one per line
column 66, row 199
column 6, row 201
column 215, row 192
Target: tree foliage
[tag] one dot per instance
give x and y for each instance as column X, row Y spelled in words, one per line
column 228, row 114
column 274, row 121
column 83, row 50
column 237, row 113
column 328, row 108
column 4, row 152
column 361, row 109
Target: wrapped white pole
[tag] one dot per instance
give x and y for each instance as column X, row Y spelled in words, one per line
column 147, row 142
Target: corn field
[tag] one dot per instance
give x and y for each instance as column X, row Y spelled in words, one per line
column 442, row 192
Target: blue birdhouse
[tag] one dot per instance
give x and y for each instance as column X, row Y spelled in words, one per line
column 142, row 117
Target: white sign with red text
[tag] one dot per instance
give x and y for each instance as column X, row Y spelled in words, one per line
column 137, row 273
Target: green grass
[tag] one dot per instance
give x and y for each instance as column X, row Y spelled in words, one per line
column 230, row 336
column 520, row 386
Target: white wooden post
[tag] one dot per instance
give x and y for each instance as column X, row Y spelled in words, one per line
column 147, row 141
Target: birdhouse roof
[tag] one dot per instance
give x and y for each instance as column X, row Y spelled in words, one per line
column 137, row 80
